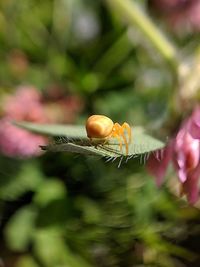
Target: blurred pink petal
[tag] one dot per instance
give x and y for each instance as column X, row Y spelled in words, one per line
column 186, row 153
column 184, row 150
column 194, row 126
column 190, row 186
column 24, row 105
column 16, row 142
column 158, row 162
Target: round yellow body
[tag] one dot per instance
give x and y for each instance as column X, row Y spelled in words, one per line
column 99, row 126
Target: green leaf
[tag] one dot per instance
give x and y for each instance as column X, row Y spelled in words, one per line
column 26, row 261
column 51, row 249
column 70, row 131
column 48, row 191
column 20, row 228
column 91, row 211
column 74, row 139
column 27, row 179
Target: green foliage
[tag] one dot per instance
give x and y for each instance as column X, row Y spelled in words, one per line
column 26, row 261
column 66, row 210
column 20, row 229
column 52, row 251
column 28, row 177
column 49, row 191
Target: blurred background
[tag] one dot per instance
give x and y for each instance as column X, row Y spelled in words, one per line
column 61, row 61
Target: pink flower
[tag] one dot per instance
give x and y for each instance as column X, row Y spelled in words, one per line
column 194, row 127
column 190, row 186
column 158, row 162
column 24, row 105
column 184, row 152
column 16, row 142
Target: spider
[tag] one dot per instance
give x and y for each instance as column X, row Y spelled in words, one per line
column 100, row 126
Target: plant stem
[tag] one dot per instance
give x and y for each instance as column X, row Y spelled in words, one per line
column 135, row 16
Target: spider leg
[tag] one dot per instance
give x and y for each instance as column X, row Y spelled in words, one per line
column 116, row 135
column 117, row 128
column 127, row 127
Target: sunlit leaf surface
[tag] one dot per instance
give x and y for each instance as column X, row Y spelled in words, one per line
column 73, row 138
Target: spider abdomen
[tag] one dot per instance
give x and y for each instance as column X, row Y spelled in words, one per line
column 99, row 126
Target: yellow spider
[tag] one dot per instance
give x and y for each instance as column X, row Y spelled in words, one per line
column 99, row 126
